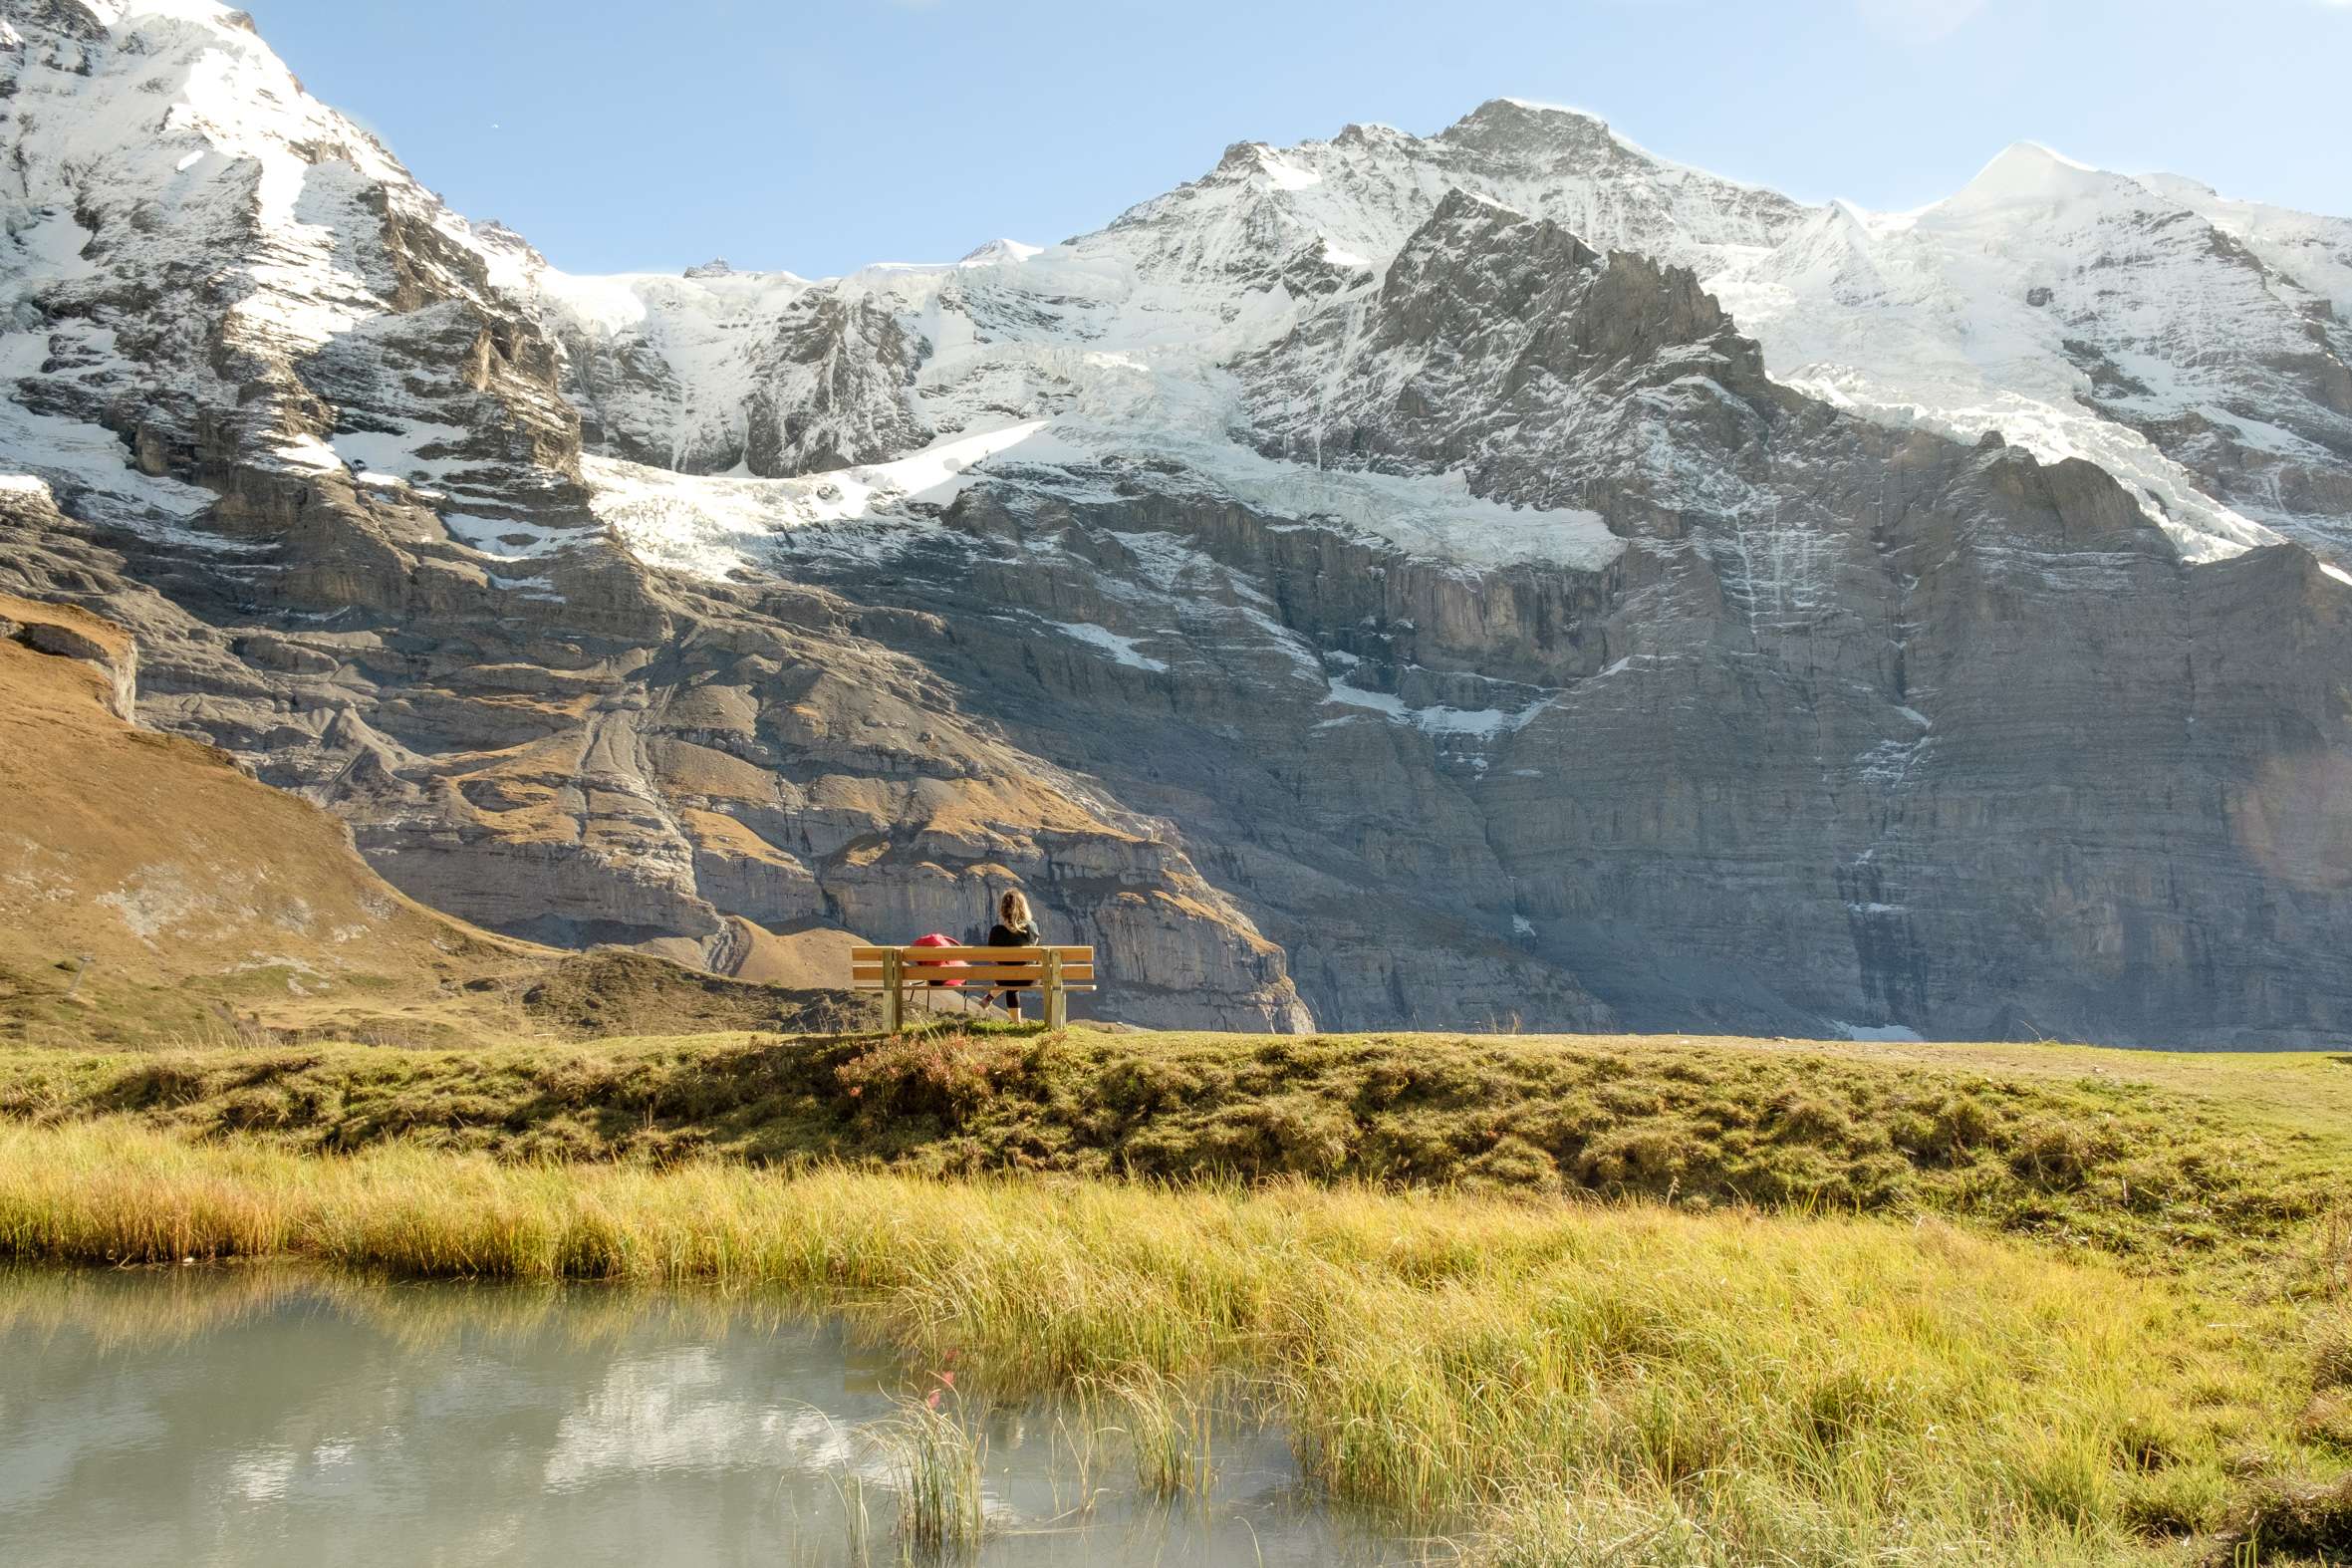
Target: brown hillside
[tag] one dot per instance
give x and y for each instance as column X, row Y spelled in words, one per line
column 185, row 895
column 150, row 892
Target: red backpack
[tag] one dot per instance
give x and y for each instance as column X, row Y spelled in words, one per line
column 934, row 940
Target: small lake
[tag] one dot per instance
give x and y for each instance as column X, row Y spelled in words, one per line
column 256, row 1416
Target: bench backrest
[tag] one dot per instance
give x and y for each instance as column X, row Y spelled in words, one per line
column 987, row 965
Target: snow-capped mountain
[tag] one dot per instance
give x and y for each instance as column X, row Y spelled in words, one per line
column 1419, row 580
column 2191, row 347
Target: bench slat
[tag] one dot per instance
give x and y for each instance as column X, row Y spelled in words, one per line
column 934, row 954
column 931, row 967
column 927, row 962
column 876, row 985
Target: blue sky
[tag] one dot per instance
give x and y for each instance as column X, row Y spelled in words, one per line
column 820, row 134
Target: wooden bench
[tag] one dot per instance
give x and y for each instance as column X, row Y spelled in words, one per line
column 1051, row 972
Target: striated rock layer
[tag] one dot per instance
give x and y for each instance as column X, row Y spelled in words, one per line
column 1379, row 583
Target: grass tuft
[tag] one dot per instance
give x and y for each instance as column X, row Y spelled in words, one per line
column 1168, row 1428
column 2286, row 1522
column 935, row 1463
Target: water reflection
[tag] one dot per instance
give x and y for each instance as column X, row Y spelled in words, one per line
column 254, row 1416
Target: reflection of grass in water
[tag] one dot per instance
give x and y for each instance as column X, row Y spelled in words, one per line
column 932, row 1456
column 167, row 1305
column 162, row 1306
column 1077, row 1436
column 1732, row 1387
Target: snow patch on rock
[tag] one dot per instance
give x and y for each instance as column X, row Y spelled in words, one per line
column 1121, row 648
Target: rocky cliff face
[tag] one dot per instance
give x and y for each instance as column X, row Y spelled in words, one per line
column 1383, row 581
column 288, row 428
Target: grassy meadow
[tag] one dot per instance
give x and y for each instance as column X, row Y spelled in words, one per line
column 1574, row 1300
column 2213, row 1162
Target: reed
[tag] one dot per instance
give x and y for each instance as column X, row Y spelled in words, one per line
column 1169, row 1430
column 935, row 1463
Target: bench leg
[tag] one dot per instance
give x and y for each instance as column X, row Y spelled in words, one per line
column 894, row 993
column 1056, row 1001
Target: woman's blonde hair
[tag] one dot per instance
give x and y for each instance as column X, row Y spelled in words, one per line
column 1013, row 910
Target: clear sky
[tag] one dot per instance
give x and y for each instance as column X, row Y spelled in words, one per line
column 820, row 134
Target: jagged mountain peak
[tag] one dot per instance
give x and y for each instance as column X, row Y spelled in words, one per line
column 1363, row 192
column 120, row 13
column 213, row 268
column 1523, row 126
column 1461, row 204
column 1243, row 160
column 999, row 251
column 2029, row 174
column 142, row 25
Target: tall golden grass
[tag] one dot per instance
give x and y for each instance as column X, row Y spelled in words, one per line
column 1574, row 1382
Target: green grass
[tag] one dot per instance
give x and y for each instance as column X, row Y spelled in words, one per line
column 1724, row 1387
column 2203, row 1161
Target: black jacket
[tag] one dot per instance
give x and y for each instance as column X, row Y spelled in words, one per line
column 1003, row 936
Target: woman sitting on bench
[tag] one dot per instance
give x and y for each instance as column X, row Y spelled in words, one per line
column 1015, row 928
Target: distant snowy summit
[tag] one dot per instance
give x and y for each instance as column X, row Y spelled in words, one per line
column 1000, row 250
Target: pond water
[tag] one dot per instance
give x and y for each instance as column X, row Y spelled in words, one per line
column 267, row 1416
